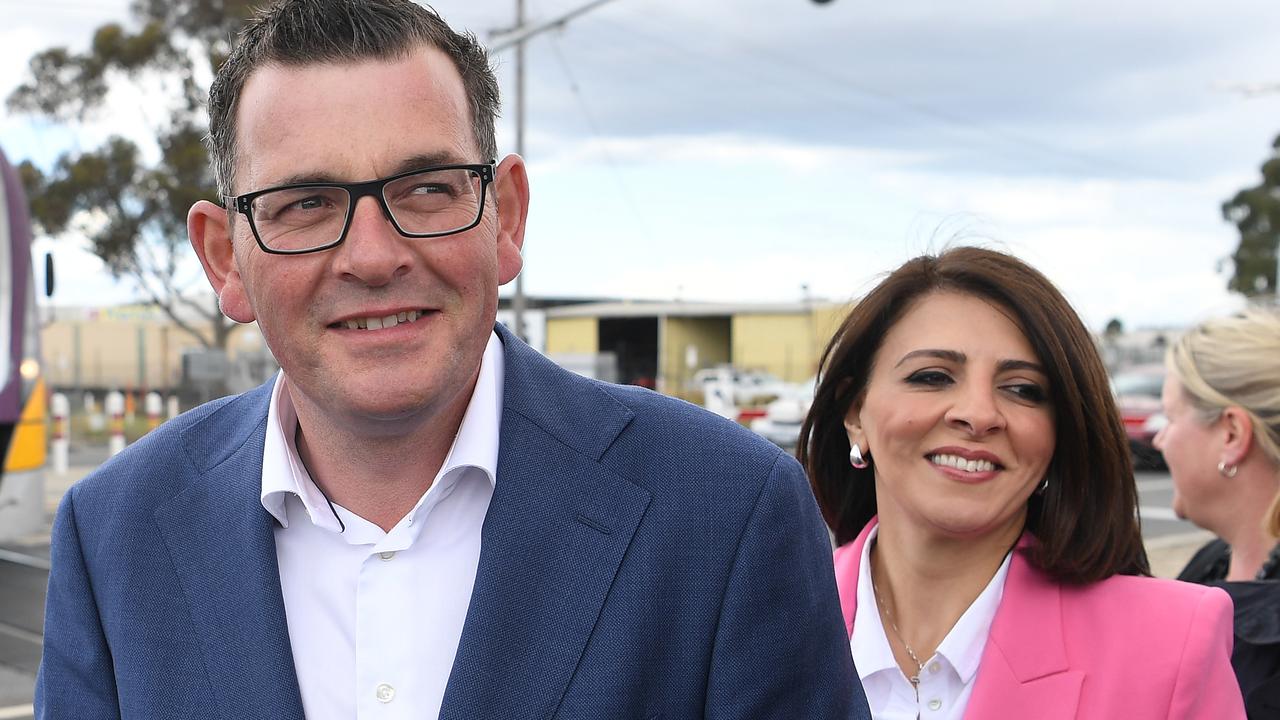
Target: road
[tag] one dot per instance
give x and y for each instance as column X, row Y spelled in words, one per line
column 24, row 574
column 1155, row 497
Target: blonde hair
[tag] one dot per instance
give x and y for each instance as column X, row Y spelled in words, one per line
column 1235, row 362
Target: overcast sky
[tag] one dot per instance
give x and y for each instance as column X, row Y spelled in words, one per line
column 749, row 149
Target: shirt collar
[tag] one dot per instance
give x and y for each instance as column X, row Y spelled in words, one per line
column 870, row 642
column 963, row 645
column 475, row 446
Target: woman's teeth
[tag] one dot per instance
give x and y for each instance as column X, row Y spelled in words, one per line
column 959, row 463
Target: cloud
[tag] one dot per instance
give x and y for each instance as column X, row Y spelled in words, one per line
column 736, row 150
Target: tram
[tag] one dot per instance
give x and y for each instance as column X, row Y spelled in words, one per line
column 23, row 396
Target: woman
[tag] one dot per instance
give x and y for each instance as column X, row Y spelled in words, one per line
column 965, row 450
column 1222, row 444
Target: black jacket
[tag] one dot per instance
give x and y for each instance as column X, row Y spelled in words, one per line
column 1256, row 656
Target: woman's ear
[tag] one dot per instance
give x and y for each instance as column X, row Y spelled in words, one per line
column 1238, row 426
column 853, row 422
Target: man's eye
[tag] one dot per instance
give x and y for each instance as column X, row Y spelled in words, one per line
column 432, row 189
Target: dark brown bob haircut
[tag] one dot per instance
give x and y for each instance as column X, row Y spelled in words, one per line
column 297, row 33
column 1086, row 521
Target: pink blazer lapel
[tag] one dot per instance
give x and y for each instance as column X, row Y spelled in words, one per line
column 848, row 559
column 1024, row 670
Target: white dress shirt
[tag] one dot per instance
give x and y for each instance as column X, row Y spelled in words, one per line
column 375, row 617
column 947, row 680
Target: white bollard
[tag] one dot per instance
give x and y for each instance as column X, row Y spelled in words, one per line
column 172, row 408
column 153, row 403
column 60, row 407
column 96, row 421
column 115, row 408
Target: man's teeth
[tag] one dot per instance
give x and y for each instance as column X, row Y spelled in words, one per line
column 379, row 323
column 959, row 463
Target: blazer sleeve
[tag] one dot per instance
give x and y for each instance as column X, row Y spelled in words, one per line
column 780, row 651
column 75, row 679
column 1206, row 686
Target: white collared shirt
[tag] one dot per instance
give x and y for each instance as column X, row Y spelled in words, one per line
column 947, row 680
column 375, row 617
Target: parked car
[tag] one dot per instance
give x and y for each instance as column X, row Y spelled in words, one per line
column 748, row 386
column 1137, row 391
column 782, row 417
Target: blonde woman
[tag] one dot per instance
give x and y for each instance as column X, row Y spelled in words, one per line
column 1222, row 445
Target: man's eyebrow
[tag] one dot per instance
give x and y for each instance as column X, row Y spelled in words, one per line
column 415, row 162
column 959, row 358
column 306, row 177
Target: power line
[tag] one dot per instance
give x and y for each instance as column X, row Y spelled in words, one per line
column 838, row 89
column 627, row 197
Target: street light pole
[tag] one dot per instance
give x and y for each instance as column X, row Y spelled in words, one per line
column 516, row 38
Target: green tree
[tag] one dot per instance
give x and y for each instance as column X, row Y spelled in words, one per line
column 1114, row 329
column 134, row 213
column 1256, row 212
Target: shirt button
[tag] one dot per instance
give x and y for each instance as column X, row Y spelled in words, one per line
column 386, row 555
column 385, row 693
column 934, row 704
column 934, row 667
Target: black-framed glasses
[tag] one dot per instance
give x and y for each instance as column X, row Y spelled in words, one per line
column 314, row 216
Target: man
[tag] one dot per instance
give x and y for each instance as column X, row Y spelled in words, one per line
column 421, row 516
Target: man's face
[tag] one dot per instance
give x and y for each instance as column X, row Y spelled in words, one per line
column 349, row 123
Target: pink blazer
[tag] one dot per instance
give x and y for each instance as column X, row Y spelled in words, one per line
column 1126, row 647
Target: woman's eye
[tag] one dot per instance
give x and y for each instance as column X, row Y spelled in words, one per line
column 932, row 378
column 1028, row 391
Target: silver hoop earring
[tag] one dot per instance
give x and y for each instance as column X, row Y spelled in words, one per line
column 857, row 459
column 1227, row 471
column 1043, row 486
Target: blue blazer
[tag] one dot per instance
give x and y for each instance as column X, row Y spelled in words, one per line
column 640, row 558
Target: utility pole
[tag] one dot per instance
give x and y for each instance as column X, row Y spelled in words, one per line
column 518, row 302
column 516, row 38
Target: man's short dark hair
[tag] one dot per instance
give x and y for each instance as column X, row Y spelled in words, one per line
column 297, row 33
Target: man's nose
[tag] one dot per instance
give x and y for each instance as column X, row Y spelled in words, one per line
column 374, row 252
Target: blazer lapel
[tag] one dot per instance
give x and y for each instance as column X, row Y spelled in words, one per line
column 1024, row 670
column 557, row 528
column 223, row 548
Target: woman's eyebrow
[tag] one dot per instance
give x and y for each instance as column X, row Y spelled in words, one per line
column 949, row 355
column 959, row 358
column 1006, row 365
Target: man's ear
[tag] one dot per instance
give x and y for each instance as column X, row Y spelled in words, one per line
column 1238, row 426
column 511, row 196
column 208, row 226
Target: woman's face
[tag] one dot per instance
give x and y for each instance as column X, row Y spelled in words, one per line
column 1191, row 450
column 957, row 419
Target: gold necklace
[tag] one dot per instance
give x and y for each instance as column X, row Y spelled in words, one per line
column 884, row 607
column 914, row 679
